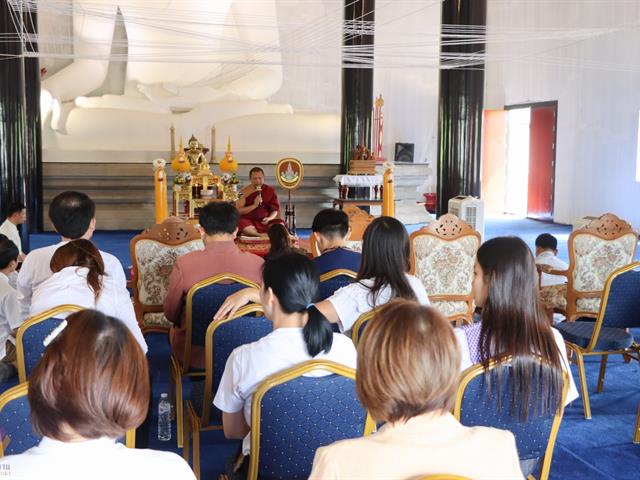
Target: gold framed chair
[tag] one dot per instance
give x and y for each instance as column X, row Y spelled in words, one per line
column 15, row 412
column 619, row 310
column 202, row 301
column 247, row 325
column 442, row 257
column 358, row 328
column 333, row 280
column 595, row 251
column 281, row 403
column 153, row 254
column 31, row 335
column 480, row 402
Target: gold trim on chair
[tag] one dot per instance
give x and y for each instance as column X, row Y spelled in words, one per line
column 633, row 351
column 195, row 423
column 51, row 313
column 477, row 370
column 355, row 330
column 6, row 397
column 283, row 377
column 448, row 228
column 336, row 273
column 181, row 368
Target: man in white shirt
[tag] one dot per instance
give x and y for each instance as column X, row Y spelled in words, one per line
column 73, row 217
column 9, row 317
column 546, row 254
column 16, row 215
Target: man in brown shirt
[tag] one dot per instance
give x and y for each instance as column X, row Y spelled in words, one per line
column 218, row 227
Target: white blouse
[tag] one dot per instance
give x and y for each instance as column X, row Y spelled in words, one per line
column 69, row 286
column 250, row 364
column 353, row 300
column 100, row 459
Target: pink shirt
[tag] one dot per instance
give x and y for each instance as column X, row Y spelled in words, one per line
column 217, row 257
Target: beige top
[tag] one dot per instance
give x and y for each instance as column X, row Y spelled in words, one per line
column 425, row 445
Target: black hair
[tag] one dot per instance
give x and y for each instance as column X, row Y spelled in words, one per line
column 385, row 258
column 71, row 214
column 279, row 238
column 295, row 281
column 331, row 223
column 8, row 252
column 255, row 170
column 546, row 240
column 219, row 217
column 16, row 207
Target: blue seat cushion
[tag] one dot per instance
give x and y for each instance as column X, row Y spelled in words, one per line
column 196, row 397
column 580, row 333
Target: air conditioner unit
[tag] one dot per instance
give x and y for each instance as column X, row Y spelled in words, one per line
column 470, row 209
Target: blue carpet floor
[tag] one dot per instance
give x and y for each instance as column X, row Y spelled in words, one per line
column 600, row 448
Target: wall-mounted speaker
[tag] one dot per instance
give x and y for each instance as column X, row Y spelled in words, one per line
column 404, row 153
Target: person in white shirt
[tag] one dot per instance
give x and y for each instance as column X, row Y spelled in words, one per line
column 73, row 217
column 383, row 276
column 16, row 215
column 79, row 279
column 300, row 333
column 9, row 318
column 546, row 254
column 79, row 419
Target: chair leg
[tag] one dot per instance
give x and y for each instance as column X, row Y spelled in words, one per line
column 196, row 447
column 172, row 392
column 179, row 409
column 186, row 435
column 603, row 369
column 583, row 386
column 636, row 432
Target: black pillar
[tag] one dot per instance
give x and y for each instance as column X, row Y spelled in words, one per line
column 357, row 78
column 20, row 134
column 461, row 103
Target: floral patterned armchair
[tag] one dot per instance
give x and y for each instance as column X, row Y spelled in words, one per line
column 442, row 257
column 359, row 220
column 595, row 251
column 153, row 254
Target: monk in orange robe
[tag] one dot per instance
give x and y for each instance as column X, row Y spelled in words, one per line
column 258, row 205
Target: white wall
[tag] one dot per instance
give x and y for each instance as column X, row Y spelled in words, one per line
column 598, row 101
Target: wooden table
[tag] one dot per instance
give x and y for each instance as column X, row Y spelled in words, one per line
column 341, row 202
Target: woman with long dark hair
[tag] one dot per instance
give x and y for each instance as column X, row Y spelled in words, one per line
column 79, row 278
column 383, row 275
column 505, row 286
column 290, row 283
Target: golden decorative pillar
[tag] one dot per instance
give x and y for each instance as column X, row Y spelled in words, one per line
column 388, row 205
column 160, row 188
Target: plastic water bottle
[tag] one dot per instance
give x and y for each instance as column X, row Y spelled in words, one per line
column 164, row 418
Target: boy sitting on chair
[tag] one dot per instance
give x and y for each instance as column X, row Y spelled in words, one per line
column 332, row 231
column 9, row 313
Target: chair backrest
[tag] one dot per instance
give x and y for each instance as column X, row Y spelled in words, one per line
column 485, row 399
column 16, row 431
column 223, row 336
column 595, row 251
column 202, row 302
column 333, row 280
column 153, row 254
column 442, row 257
column 620, row 306
column 361, row 323
column 292, row 415
column 32, row 334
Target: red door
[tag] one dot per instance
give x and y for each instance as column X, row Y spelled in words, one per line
column 494, row 160
column 542, row 156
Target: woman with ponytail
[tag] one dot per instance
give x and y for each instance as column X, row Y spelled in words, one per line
column 79, row 278
column 290, row 284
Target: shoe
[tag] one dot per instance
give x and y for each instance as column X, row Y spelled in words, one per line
column 7, row 372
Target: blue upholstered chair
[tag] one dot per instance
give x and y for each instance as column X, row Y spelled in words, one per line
column 333, row 280
column 358, row 328
column 31, row 335
column 292, row 415
column 619, row 310
column 16, row 433
column 202, row 302
column 487, row 400
column 247, row 325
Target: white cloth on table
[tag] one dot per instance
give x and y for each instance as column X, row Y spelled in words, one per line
column 358, row 180
column 250, row 364
column 9, row 316
column 354, row 299
column 69, row 286
column 35, row 270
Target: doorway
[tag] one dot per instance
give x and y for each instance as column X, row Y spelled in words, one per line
column 518, row 166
